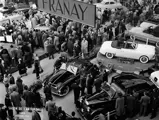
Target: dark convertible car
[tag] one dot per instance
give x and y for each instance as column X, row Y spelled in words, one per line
column 104, row 101
column 69, row 72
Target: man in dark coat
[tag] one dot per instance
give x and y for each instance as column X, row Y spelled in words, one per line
column 144, row 101
column 47, row 91
column 154, row 107
column 130, row 102
column 28, row 97
column 83, row 83
column 15, row 98
column 76, row 88
column 90, row 82
column 105, row 76
column 52, row 109
column 120, row 107
column 97, row 84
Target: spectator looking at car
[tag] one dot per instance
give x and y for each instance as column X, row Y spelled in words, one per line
column 89, row 84
column 130, row 105
column 144, row 102
column 76, row 89
column 98, row 83
column 47, row 91
column 52, row 109
column 83, row 83
column 105, row 76
column 137, row 103
column 58, row 64
column 154, row 106
column 120, row 107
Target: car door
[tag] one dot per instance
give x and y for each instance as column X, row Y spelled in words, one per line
column 128, row 51
column 119, row 51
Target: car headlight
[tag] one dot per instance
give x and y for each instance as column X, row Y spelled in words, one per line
column 59, row 91
column 88, row 109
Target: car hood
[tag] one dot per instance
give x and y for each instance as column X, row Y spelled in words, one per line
column 136, row 30
column 97, row 98
column 145, row 25
column 148, row 49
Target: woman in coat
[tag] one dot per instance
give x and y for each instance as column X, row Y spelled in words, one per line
column 22, row 68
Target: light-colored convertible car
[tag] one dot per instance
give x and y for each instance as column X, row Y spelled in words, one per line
column 125, row 49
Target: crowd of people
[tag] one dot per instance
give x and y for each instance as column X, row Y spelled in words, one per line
column 75, row 39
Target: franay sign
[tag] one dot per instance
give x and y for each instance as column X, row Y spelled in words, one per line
column 70, row 9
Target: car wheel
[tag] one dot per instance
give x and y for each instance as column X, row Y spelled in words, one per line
column 65, row 90
column 157, row 44
column 144, row 59
column 109, row 55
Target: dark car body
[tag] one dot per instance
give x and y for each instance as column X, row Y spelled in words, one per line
column 62, row 80
column 103, row 102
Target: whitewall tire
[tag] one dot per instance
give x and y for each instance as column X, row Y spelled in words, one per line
column 109, row 55
column 144, row 59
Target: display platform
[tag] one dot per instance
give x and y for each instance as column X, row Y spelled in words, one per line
column 126, row 65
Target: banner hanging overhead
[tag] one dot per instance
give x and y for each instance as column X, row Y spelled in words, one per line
column 70, row 9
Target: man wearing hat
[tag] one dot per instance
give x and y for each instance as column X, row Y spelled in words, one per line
column 51, row 108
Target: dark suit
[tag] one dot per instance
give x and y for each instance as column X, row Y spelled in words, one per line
column 145, row 101
column 27, row 95
column 76, row 89
column 120, row 107
column 15, row 98
column 130, row 102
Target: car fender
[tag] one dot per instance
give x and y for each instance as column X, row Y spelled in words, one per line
column 97, row 111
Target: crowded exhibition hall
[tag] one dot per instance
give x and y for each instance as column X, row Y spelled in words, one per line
column 79, row 59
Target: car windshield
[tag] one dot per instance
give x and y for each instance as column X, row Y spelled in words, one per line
column 109, row 90
column 70, row 68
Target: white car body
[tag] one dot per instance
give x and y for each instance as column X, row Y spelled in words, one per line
column 127, row 51
column 109, row 4
column 154, row 77
column 138, row 32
